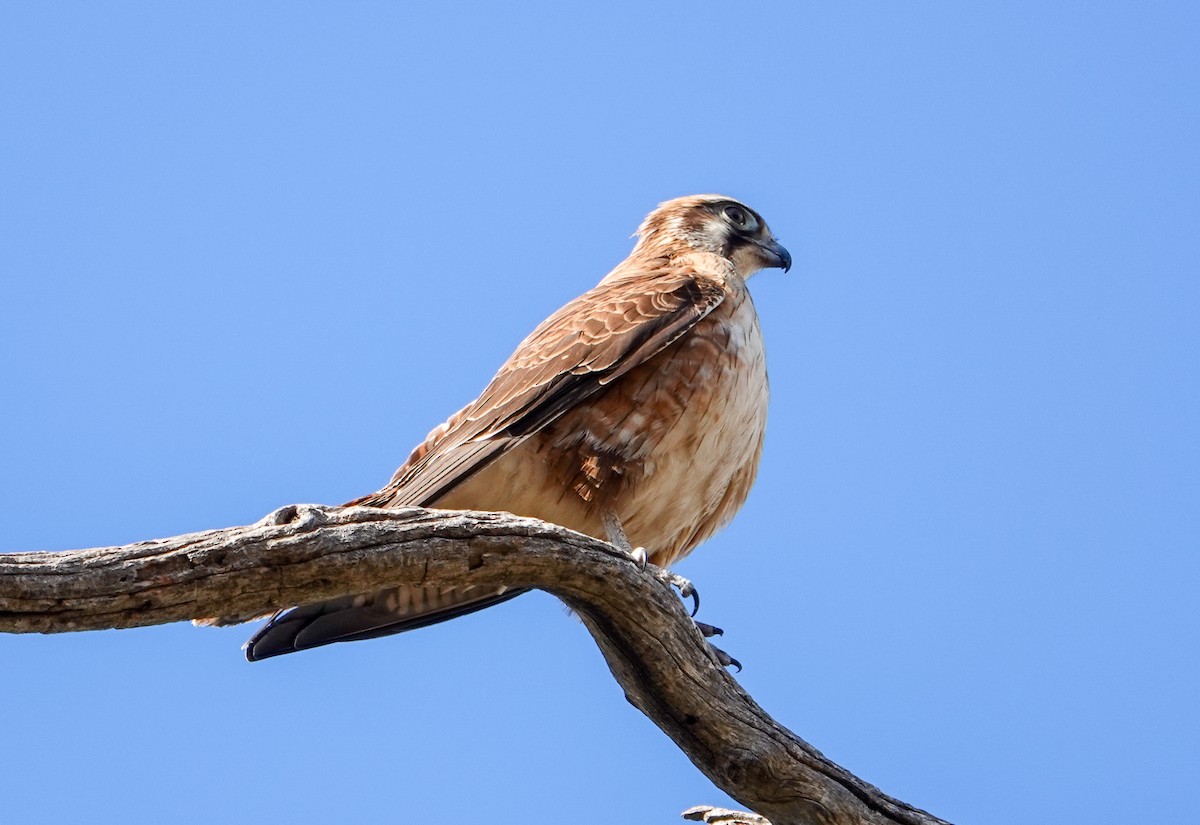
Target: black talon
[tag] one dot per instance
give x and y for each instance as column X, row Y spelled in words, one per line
column 686, row 588
column 709, row 630
column 724, row 658
column 690, row 590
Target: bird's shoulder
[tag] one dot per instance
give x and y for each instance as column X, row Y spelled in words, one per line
column 592, row 331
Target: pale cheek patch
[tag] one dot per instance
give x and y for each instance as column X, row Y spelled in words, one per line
column 747, row 260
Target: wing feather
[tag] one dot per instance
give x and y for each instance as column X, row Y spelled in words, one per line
column 572, row 355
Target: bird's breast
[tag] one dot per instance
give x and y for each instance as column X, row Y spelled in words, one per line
column 703, row 407
column 671, row 447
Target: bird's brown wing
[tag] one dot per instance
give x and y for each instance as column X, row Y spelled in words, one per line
column 572, row 355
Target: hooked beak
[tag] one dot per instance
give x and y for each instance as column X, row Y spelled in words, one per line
column 774, row 254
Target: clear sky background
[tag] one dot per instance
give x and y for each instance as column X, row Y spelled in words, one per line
column 251, row 253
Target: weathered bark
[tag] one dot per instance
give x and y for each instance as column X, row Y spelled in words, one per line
column 307, row 553
column 722, row 816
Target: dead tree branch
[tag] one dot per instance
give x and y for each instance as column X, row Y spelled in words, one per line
column 306, row 553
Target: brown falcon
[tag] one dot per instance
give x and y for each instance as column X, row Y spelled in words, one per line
column 635, row 413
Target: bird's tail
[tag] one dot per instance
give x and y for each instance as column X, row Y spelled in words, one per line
column 353, row 618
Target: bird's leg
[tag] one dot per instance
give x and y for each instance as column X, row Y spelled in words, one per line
column 617, row 537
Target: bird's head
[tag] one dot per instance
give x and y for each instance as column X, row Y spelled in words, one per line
column 712, row 223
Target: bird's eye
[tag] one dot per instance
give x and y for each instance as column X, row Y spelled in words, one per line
column 737, row 216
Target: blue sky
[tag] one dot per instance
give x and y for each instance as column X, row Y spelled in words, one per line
column 251, row 254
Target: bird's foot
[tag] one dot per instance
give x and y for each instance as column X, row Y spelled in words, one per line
column 638, row 554
column 686, row 588
column 708, row 631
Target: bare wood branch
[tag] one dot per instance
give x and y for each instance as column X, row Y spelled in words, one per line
column 722, row 816
column 306, row 553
